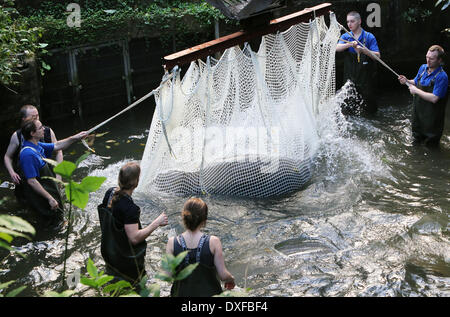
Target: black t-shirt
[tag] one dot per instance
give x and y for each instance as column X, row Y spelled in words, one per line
column 124, row 210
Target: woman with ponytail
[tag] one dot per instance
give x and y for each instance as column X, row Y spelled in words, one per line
column 203, row 249
column 123, row 243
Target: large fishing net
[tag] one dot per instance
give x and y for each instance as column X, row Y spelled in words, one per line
column 245, row 124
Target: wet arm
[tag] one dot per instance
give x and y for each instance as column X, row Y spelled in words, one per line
column 343, row 46
column 136, row 236
column 219, row 262
column 8, row 158
column 427, row 96
column 64, row 144
column 37, row 187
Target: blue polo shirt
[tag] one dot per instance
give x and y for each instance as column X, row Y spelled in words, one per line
column 369, row 38
column 31, row 157
column 440, row 83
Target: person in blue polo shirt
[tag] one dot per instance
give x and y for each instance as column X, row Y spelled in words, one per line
column 42, row 194
column 430, row 91
column 359, row 64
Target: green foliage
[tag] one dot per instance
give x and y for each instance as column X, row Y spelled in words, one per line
column 169, row 265
column 102, row 21
column 18, row 42
column 12, row 293
column 76, row 193
column 99, row 281
column 10, row 227
column 421, row 10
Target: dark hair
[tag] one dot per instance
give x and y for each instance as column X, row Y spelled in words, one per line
column 128, row 179
column 27, row 128
column 195, row 212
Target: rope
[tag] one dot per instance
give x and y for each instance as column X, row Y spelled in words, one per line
column 370, row 52
column 134, row 104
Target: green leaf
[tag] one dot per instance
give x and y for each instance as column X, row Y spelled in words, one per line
column 16, row 291
column 79, row 197
column 6, row 246
column 9, row 232
column 154, row 290
column 82, row 158
column 16, row 223
column 8, row 238
column 92, row 269
column 164, row 277
column 104, row 279
column 92, row 183
column 186, row 272
column 89, row 282
column 65, row 169
column 179, row 258
column 5, row 285
column 116, row 287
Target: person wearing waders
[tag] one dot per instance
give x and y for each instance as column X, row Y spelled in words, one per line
column 42, row 194
column 203, row 249
column 123, row 244
column 359, row 65
column 11, row 158
column 430, row 95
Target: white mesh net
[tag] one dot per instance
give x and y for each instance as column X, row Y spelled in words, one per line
column 244, row 125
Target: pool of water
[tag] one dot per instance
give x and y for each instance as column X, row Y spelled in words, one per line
column 372, row 221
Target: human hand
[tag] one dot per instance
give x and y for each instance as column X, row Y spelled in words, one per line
column 53, row 203
column 359, row 49
column 162, row 220
column 413, row 89
column 15, row 178
column 402, row 79
column 80, row 135
column 229, row 285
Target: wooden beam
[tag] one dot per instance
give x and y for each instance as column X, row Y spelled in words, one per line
column 209, row 48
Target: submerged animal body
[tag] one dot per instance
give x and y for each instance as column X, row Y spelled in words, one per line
column 262, row 178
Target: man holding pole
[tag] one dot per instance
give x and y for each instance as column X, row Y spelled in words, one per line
column 359, row 60
column 430, row 91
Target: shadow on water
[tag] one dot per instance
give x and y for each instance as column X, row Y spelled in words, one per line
column 372, row 221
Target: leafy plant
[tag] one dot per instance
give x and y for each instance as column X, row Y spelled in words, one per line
column 185, row 22
column 169, row 265
column 10, row 227
column 18, row 42
column 77, row 194
column 99, row 281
